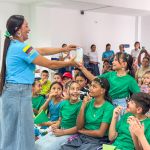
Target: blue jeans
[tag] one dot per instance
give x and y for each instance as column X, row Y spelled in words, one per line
column 17, row 132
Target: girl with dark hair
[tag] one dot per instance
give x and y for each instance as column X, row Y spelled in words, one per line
column 53, row 103
column 83, row 81
column 119, row 132
column 17, row 76
column 122, row 84
column 93, row 119
column 66, row 125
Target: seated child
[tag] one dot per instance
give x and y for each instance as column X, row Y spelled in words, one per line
column 45, row 83
column 37, row 99
column 145, row 87
column 137, row 106
column 67, row 76
column 106, row 67
column 53, row 103
column 93, row 120
column 137, row 133
column 66, row 125
column 58, row 77
column 82, row 80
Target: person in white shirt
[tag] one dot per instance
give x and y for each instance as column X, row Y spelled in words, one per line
column 94, row 60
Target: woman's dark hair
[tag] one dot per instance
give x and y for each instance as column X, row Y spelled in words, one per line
column 128, row 59
column 105, row 85
column 14, row 23
column 142, row 100
column 137, row 42
column 148, row 58
column 64, row 45
column 92, row 45
column 56, row 83
column 108, row 44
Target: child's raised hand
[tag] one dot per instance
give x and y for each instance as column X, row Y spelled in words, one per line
column 117, row 112
column 136, row 127
column 86, row 100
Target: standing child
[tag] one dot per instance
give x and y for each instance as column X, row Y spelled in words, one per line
column 37, row 99
column 122, row 84
column 138, row 105
column 93, row 119
column 66, row 124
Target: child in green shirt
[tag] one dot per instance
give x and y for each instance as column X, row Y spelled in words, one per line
column 122, row 84
column 66, row 124
column 119, row 132
column 37, row 99
column 93, row 119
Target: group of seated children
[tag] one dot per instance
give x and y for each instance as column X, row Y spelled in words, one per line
column 86, row 116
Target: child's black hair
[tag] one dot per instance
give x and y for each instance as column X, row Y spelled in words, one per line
column 45, row 71
column 128, row 59
column 59, row 74
column 80, row 74
column 56, row 83
column 142, row 100
column 104, row 84
column 35, row 80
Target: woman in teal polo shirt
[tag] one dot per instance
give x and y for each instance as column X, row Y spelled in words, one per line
column 17, row 76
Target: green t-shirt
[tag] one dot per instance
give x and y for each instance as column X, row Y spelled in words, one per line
column 121, row 87
column 37, row 102
column 69, row 113
column 45, row 87
column 124, row 140
column 94, row 116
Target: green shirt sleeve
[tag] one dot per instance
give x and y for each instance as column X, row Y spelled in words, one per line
column 105, row 75
column 108, row 113
column 133, row 86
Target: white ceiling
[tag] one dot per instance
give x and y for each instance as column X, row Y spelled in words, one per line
column 124, row 7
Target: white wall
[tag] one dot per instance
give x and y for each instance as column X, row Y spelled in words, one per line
column 145, row 31
column 54, row 26
column 106, row 28
column 6, row 10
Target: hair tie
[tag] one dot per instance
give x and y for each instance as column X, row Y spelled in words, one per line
column 8, row 35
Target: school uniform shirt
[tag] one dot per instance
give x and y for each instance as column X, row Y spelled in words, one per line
column 124, row 140
column 121, row 86
column 94, row 116
column 54, row 110
column 37, row 102
column 69, row 113
column 45, row 87
column 20, row 68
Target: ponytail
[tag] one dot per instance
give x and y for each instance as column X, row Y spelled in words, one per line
column 3, row 69
column 14, row 23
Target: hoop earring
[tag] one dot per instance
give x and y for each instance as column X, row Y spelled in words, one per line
column 19, row 34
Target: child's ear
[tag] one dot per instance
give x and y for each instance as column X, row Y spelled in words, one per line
column 139, row 110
